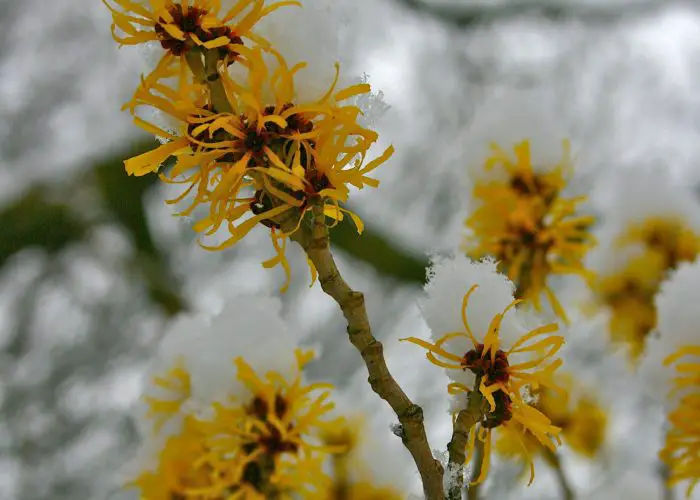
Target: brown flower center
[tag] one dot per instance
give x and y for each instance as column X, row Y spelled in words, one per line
column 189, row 23
column 535, row 186
column 271, row 440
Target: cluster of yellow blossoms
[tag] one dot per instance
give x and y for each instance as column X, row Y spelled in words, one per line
column 659, row 245
column 242, row 143
column 261, row 446
column 525, row 223
column 275, row 439
column 501, row 382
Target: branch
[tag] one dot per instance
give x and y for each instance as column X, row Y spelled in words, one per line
column 217, row 93
column 204, row 65
column 468, row 15
column 465, row 422
column 315, row 242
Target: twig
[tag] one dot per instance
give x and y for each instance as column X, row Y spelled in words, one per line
column 217, row 93
column 553, row 459
column 204, row 65
column 464, row 424
column 315, row 242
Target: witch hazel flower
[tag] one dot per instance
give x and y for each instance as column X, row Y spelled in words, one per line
column 228, row 412
column 671, row 370
column 519, row 166
column 187, row 30
column 479, row 337
column 652, row 226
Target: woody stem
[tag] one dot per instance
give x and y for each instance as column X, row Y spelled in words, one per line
column 464, row 424
column 217, row 93
column 204, row 65
column 314, row 239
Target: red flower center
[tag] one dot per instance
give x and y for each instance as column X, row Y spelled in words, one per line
column 480, row 364
column 191, row 23
column 501, row 414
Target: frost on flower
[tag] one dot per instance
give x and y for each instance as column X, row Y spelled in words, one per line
column 241, row 421
column 652, row 226
column 520, row 214
column 480, row 339
column 247, row 142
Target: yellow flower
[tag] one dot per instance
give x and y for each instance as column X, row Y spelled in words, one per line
column 247, row 447
column 660, row 245
column 527, row 226
column 178, row 472
column 501, row 380
column 682, row 450
column 585, row 432
column 581, row 420
column 629, row 294
column 183, row 28
column 268, row 156
column 177, row 384
column 672, row 238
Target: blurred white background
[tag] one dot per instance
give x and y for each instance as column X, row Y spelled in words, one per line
column 89, row 276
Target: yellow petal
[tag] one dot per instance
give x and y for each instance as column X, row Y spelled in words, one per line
column 152, row 160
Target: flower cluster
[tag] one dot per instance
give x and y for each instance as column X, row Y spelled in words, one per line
column 656, row 231
column 660, row 244
column 525, row 223
column 245, row 142
column 480, row 339
column 230, row 420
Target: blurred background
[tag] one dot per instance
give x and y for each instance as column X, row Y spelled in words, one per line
column 93, row 264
